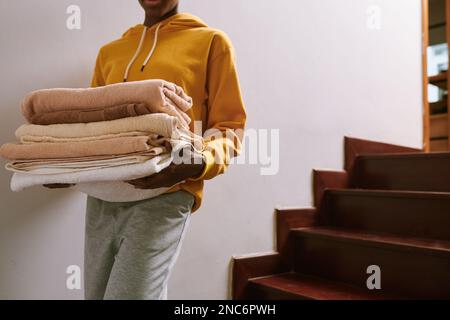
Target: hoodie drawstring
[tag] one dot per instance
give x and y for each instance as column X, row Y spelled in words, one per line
column 150, row 53
column 138, row 50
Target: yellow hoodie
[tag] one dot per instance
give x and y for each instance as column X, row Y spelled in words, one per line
column 182, row 49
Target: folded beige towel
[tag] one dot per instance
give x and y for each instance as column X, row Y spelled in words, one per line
column 159, row 96
column 157, row 123
column 29, row 139
column 114, row 146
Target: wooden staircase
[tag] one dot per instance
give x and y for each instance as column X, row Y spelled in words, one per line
column 390, row 207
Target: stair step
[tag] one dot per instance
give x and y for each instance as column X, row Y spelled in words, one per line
column 299, row 286
column 382, row 240
column 402, row 171
column 407, row 213
column 415, row 267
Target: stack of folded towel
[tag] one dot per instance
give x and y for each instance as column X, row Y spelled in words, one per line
column 97, row 138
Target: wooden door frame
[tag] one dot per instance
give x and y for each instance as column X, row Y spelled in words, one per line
column 447, row 31
column 425, row 104
column 425, row 42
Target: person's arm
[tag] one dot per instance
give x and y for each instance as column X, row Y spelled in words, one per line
column 225, row 123
column 226, row 111
column 98, row 78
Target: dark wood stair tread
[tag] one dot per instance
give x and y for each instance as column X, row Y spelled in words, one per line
column 295, row 285
column 378, row 239
column 392, row 193
column 405, row 155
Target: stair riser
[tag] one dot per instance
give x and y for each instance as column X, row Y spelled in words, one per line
column 245, row 268
column 254, row 291
column 414, row 174
column 414, row 217
column 409, row 273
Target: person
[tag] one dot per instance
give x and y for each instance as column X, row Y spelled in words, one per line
column 131, row 247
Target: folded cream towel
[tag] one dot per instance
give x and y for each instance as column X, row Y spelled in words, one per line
column 159, row 96
column 157, row 123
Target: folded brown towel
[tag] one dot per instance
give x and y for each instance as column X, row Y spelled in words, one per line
column 147, row 96
column 114, row 146
column 79, row 115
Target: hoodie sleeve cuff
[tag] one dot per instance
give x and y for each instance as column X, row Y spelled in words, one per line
column 208, row 158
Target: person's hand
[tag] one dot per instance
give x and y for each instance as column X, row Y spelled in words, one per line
column 169, row 176
column 58, row 185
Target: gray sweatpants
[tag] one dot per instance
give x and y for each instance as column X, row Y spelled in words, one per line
column 131, row 247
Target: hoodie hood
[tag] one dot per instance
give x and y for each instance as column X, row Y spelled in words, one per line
column 179, row 21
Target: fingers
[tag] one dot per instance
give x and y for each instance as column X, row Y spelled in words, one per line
column 153, row 182
column 166, row 178
column 137, row 182
column 158, row 180
column 143, row 183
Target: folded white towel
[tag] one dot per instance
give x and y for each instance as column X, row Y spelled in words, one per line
column 119, row 191
column 65, row 167
column 20, row 181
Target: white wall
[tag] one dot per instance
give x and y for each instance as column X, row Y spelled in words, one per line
column 310, row 68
